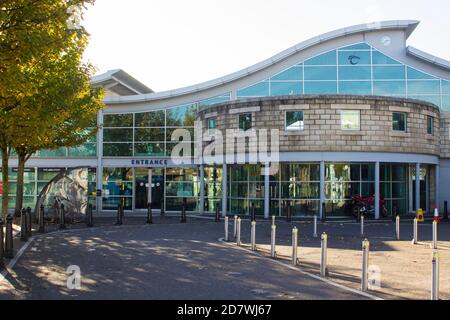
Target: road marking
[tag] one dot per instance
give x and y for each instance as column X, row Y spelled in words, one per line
column 13, row 261
column 332, row 283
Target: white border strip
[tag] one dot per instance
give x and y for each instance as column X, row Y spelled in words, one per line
column 332, row 283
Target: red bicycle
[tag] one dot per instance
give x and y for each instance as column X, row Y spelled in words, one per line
column 366, row 206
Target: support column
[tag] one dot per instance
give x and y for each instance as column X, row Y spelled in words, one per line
column 224, row 189
column 436, row 187
column 149, row 190
column 417, row 186
column 377, row 190
column 267, row 190
column 202, row 189
column 99, row 172
column 322, row 188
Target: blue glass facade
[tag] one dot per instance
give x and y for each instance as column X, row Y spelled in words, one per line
column 357, row 69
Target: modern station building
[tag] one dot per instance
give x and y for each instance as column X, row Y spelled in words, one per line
column 358, row 113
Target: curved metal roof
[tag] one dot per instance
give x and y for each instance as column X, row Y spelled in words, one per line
column 408, row 26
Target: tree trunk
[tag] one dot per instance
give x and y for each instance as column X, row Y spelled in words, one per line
column 20, row 187
column 5, row 181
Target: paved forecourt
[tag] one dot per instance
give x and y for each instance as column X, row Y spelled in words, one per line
column 160, row 261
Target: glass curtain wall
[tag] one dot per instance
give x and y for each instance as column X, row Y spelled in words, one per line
column 356, row 69
column 79, row 186
column 182, row 183
column 213, row 188
column 394, row 187
column 343, row 181
column 117, row 188
column 297, row 184
column 246, row 186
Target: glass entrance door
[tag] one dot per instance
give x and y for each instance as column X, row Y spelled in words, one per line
column 157, row 191
column 149, row 178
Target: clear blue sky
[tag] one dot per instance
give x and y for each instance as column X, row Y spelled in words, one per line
column 168, row 44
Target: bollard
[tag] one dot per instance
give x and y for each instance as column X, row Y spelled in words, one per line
column 365, row 265
column 23, row 226
column 294, row 245
column 163, row 209
column 41, row 219
column 253, row 235
column 226, row 228
column 435, row 234
column 315, row 227
column 90, row 216
column 119, row 215
column 9, row 248
column 2, row 224
column 289, row 212
column 217, row 214
column 323, row 260
column 273, row 220
column 29, row 222
column 445, row 210
column 62, row 217
column 149, row 213
column 435, row 277
column 324, row 212
column 183, row 211
column 273, row 252
column 394, row 213
column 235, row 226
column 397, row 227
column 362, row 226
column 238, row 232
column 253, row 214
column 415, row 231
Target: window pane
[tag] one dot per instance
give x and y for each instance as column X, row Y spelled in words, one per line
column 399, row 121
column 294, row 120
column 389, row 72
column 358, row 46
column 446, row 102
column 424, row 87
column 379, row 58
column 354, row 57
column 445, row 87
column 321, row 87
column 389, row 88
column 118, row 120
column 355, row 87
column 258, row 90
column 354, row 73
column 245, row 121
column 154, row 134
column 180, row 131
column 294, row 73
column 350, row 120
column 118, row 135
column 151, row 119
column 149, row 149
column 117, row 149
column 416, row 74
column 211, row 123
column 430, row 124
column 61, row 152
column 214, row 100
column 183, row 116
column 85, row 150
column 320, row 73
column 328, row 58
column 436, row 99
column 285, row 88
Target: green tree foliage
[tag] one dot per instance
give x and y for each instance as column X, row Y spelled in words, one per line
column 46, row 98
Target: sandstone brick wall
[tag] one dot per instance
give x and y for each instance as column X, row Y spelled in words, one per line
column 322, row 130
